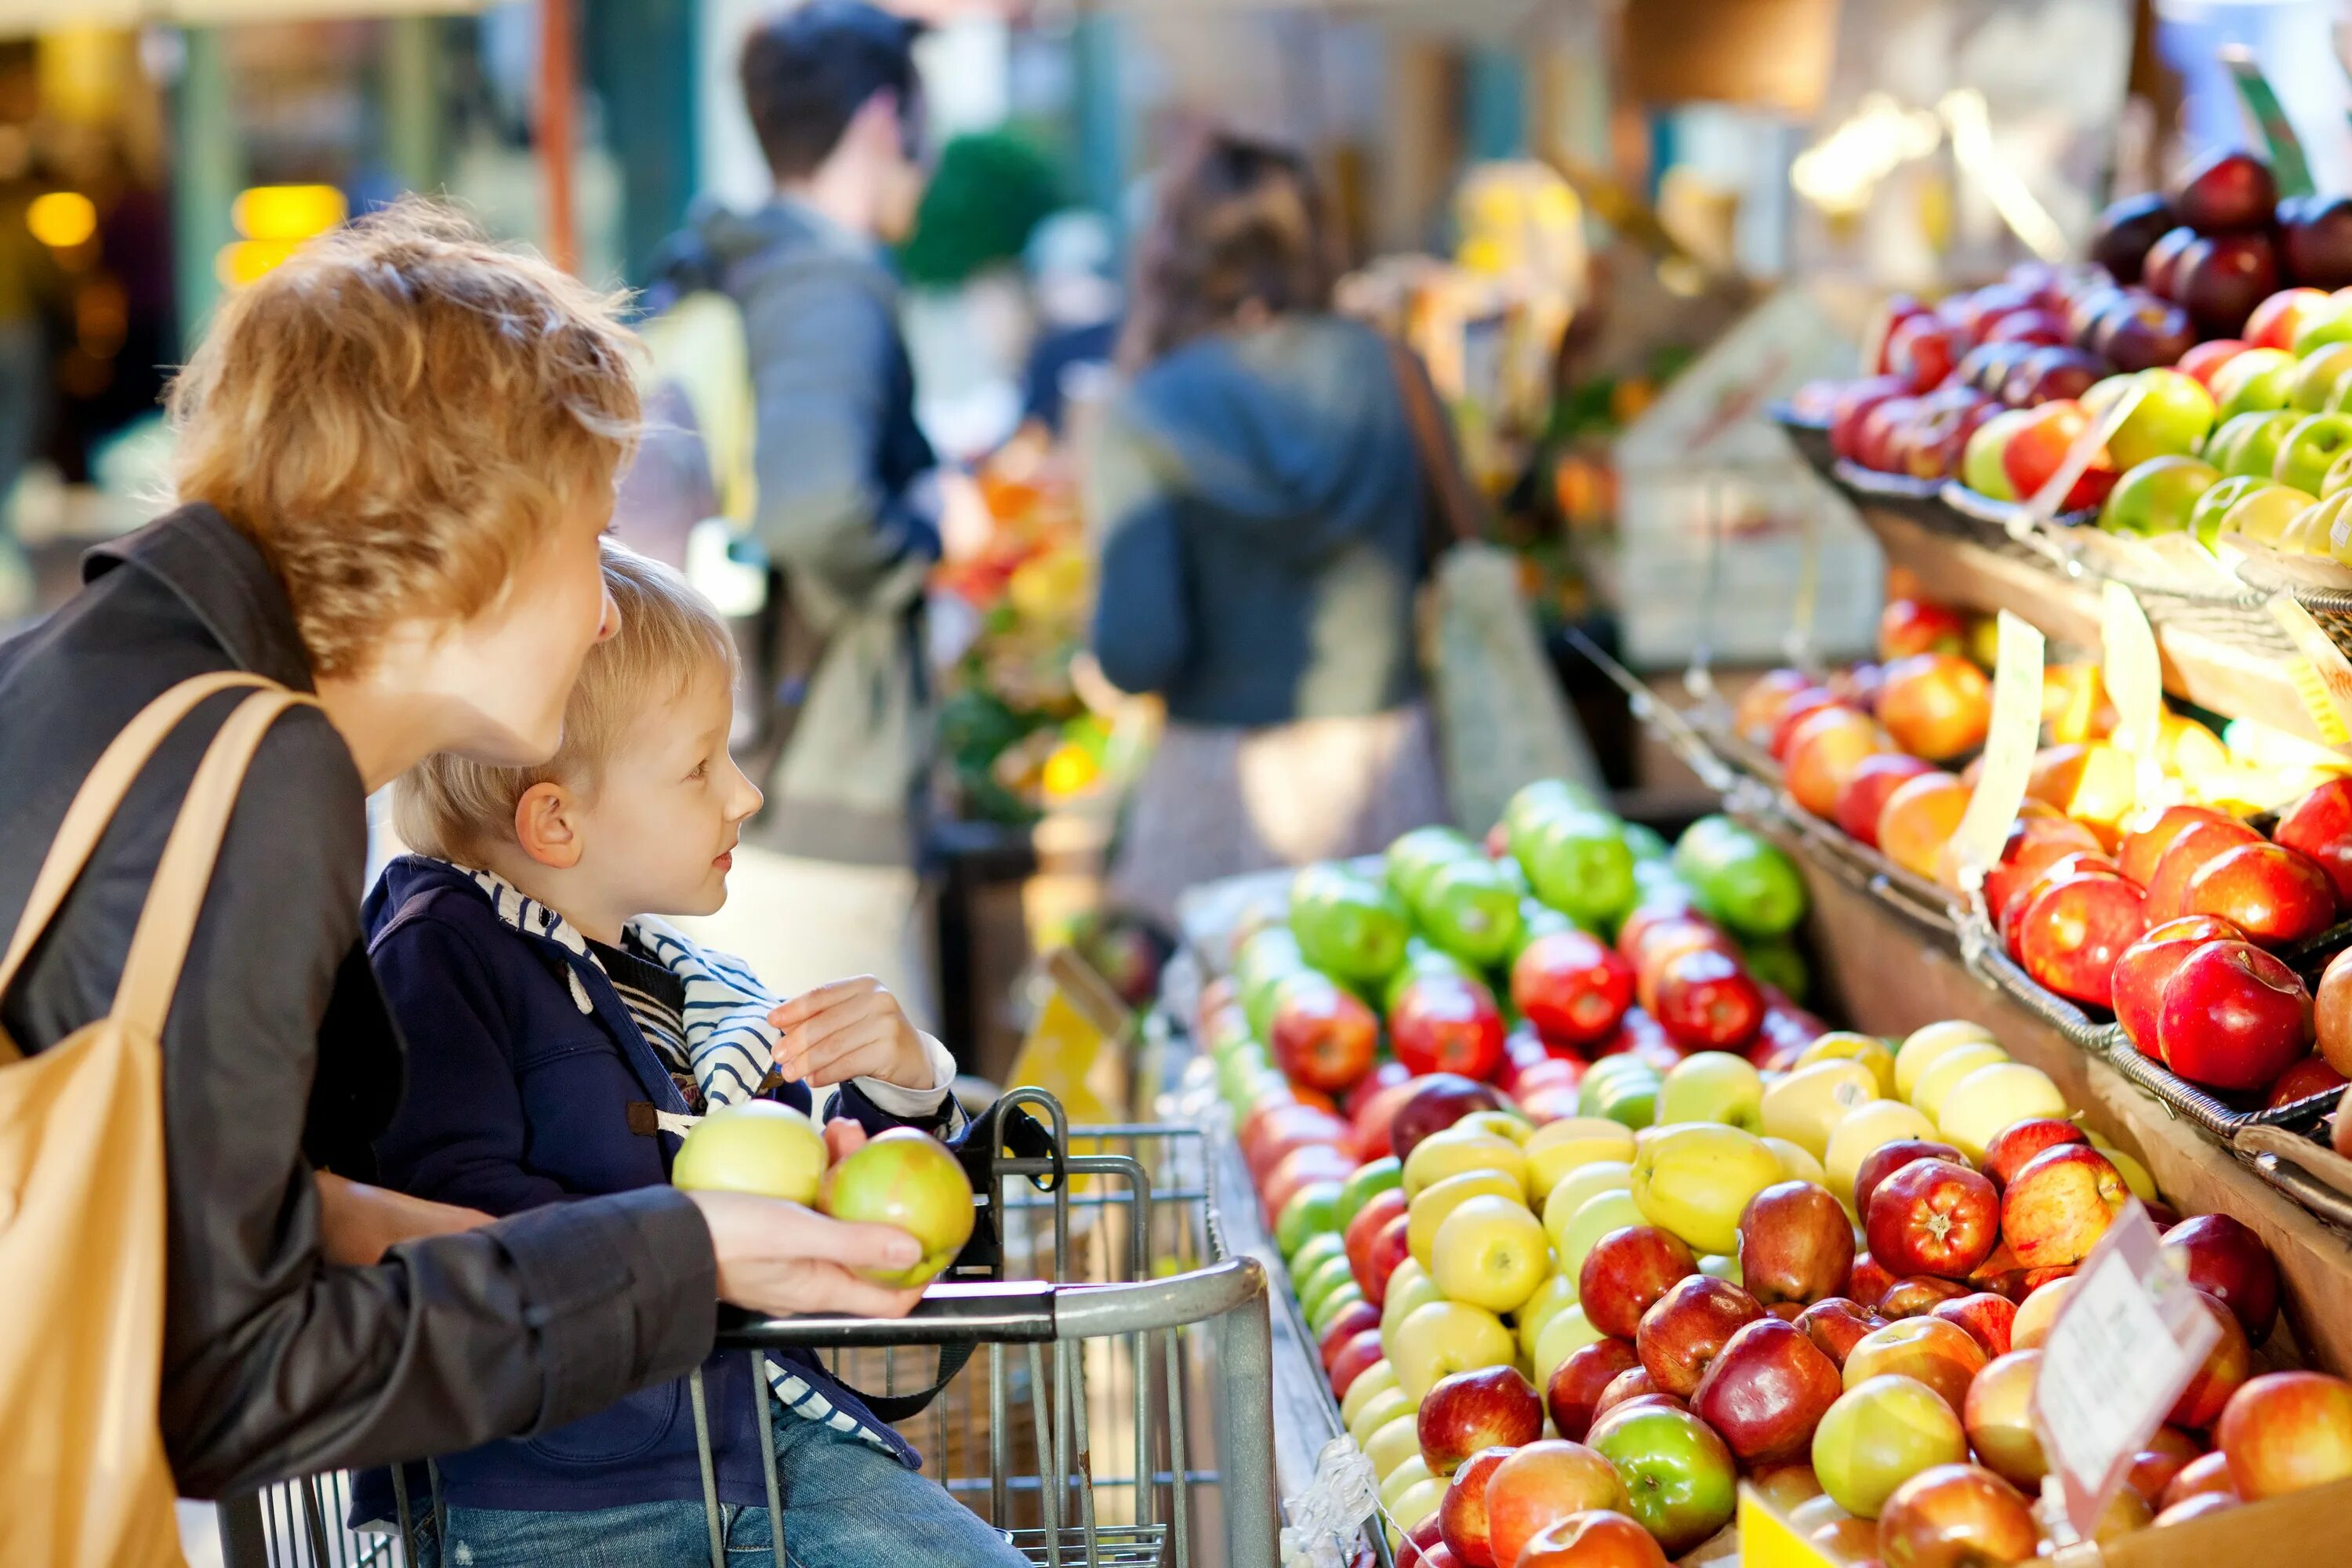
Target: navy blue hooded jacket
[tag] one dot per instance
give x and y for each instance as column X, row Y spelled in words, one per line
column 516, row 1099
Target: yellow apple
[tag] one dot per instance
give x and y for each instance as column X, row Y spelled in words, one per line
column 1803, row 1106
column 1954, row 1065
column 1866, row 1127
column 1377, row 1411
column 1595, row 1218
column 1430, row 1206
column 1409, row 1287
column 1923, row 1045
column 1554, row 1295
column 1721, row 1267
column 1559, row 1147
column 1508, row 1124
column 757, row 1146
column 1490, row 1252
column 1879, row 1434
column 1589, row 1181
column 1695, row 1180
column 1376, row 1378
column 1712, row 1085
column 1845, row 1044
column 1404, row 1475
column 1443, row 1338
column 1568, row 1331
column 1416, row 1503
column 1797, row 1162
column 1459, row 1149
column 1977, row 1109
column 1393, row 1444
column 2134, row 1174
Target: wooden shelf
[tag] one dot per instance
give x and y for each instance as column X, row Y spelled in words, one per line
column 2198, row 669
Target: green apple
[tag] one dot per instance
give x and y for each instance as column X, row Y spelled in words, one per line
column 2205, row 517
column 2254, row 381
column 1712, row 1085
column 1980, row 466
column 1471, row 909
column 1375, row 1380
column 1595, row 1219
column 1572, row 1191
column 1629, row 1095
column 1383, row 1405
column 1349, row 928
column 2310, row 448
column 1682, row 1484
column 2250, row 442
column 757, row 1146
column 1328, row 1276
column 2337, row 478
column 2323, row 327
column 2174, row 416
column 1648, row 845
column 1313, row 1210
column 907, row 1179
column 2156, row 496
column 1369, row 1180
column 1326, row 1311
column 1413, row 858
column 2264, row 512
column 2316, row 378
column 1579, row 864
column 1724, row 1265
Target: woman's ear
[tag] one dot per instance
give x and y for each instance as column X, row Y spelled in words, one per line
column 546, row 825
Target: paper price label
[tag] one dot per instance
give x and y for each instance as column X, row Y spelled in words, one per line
column 2126, row 1343
column 2010, row 743
column 2133, row 673
column 2323, row 676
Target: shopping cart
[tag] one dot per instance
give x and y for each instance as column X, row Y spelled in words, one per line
column 1124, row 1359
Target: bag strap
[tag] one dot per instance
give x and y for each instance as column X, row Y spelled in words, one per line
column 159, row 944
column 1457, row 515
column 99, row 799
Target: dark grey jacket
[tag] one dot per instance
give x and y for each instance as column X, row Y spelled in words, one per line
column 280, row 1056
column 1263, row 515
column 846, row 511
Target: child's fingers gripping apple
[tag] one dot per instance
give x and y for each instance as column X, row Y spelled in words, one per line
column 850, row 1028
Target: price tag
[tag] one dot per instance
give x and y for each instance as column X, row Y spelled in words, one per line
column 1767, row 1538
column 2132, row 674
column 2323, row 676
column 2084, row 449
column 2128, row 1339
column 2010, row 743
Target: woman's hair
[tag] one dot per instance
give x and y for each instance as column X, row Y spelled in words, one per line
column 398, row 414
column 669, row 640
column 1237, row 222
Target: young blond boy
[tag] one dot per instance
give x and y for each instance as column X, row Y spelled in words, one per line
column 561, row 1036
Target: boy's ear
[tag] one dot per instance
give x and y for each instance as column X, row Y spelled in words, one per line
column 545, row 827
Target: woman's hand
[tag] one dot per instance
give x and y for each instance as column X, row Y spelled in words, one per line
column 779, row 1259
column 359, row 1224
column 851, row 1028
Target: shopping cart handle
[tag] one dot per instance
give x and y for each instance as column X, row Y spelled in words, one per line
column 985, row 1312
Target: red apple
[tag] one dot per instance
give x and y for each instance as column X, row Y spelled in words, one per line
column 1362, row 1232
column 1388, row 1249
column 1757, row 711
column 1888, row 1158
column 1572, row 1396
column 2038, row 449
column 1447, row 1024
column 1942, row 1355
column 2225, row 1368
column 2192, row 848
column 2200, row 363
column 2286, row 1431
column 1361, row 1354
column 1353, row 1319
column 1707, row 1001
column 2233, row 1016
column 2058, row 1204
column 1686, row 1328
column 1917, row 1295
column 1766, row 1392
column 1803, row 706
column 1425, row 1547
column 1374, row 1116
column 2144, row 849
column 2220, row 279
column 1795, row 1244
column 2144, row 967
column 2319, row 825
column 2072, row 933
column 1908, row 626
column 1836, row 1324
column 1823, row 750
column 1866, row 791
column 1869, row 1281
column 2306, row 1079
column 1540, row 1485
column 1933, row 1217
column 1955, row 1516
column 2274, row 895
column 1302, row 1168
column 2228, row 1261
column 1985, row 1316
column 1626, row 1271
column 2205, row 1476
column 1936, row 705
column 2196, row 1508
column 1571, row 987
column 2033, row 843
column 1323, row 1036
column 2008, row 919
column 2020, row 1142
column 1491, row 1408
column 1440, row 1100
column 2332, row 1012
column 1922, row 350
column 2225, row 192
column 1597, row 1537
column 1461, row 1515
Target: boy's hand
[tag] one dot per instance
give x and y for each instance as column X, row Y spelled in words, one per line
column 850, row 1028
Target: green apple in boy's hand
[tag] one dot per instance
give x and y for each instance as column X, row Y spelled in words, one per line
column 907, row 1179
column 758, row 1147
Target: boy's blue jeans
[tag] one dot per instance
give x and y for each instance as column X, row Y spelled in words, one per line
column 846, row 1505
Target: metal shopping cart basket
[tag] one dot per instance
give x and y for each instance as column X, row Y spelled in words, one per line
column 1115, row 1410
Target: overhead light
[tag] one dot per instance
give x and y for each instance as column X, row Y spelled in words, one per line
column 62, row 219
column 287, row 213
column 241, row 263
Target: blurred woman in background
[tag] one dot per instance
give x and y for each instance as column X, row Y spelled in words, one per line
column 1264, row 517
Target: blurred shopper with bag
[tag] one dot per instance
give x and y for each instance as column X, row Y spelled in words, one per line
column 1266, row 525
column 395, row 456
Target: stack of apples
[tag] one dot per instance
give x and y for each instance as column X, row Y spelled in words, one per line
column 1563, row 1345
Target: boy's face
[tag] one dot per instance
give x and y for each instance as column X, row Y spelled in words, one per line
column 659, row 835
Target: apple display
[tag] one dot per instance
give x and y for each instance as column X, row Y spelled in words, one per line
column 1626, row 1272
column 1492, row 1406
column 2284, row 1432
column 1879, row 1434
column 1680, row 1478
column 1572, row 1394
column 2059, row 1205
column 2227, row 1260
column 1941, row 1355
column 1836, row 1324
column 1766, row 1392
column 1999, row 1416
column 1686, row 1329
column 909, row 1180
column 1542, row 1483
column 2224, row 1369
column 1795, row 1244
column 1597, row 1537
column 1462, row 1517
column 1933, row 1217
column 1955, row 1516
column 2232, row 1017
